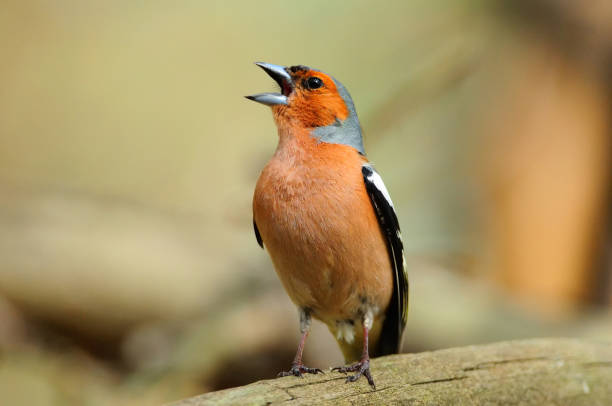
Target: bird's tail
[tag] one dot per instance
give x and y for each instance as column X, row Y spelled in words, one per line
column 390, row 338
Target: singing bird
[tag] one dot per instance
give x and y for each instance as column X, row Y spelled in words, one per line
column 326, row 219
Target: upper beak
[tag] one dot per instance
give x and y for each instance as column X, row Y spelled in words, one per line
column 280, row 75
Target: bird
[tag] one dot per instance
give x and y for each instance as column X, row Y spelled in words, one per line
column 324, row 215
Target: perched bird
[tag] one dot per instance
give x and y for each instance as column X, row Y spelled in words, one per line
column 328, row 223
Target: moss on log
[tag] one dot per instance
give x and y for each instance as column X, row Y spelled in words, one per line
column 554, row 371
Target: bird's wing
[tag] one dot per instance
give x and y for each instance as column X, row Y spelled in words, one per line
column 397, row 313
column 257, row 235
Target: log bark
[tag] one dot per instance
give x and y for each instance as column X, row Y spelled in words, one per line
column 555, row 371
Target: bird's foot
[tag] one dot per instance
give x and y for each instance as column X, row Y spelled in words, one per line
column 361, row 368
column 299, row 370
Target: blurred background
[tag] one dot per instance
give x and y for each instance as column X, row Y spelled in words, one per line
column 129, row 272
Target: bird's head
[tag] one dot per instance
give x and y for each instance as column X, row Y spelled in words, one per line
column 312, row 100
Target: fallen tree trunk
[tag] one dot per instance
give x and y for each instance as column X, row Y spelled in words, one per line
column 528, row 372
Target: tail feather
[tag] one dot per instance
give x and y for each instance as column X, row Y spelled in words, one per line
column 390, row 339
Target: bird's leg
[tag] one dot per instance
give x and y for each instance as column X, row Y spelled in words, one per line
column 363, row 366
column 297, row 368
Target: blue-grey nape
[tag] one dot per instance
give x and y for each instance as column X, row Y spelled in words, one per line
column 347, row 132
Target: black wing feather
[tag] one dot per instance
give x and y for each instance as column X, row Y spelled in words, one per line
column 397, row 313
column 257, row 235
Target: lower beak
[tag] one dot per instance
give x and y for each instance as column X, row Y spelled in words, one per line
column 280, row 75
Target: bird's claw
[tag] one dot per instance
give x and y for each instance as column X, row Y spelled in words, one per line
column 360, row 368
column 298, row 370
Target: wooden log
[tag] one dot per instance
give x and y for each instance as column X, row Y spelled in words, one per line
column 528, row 372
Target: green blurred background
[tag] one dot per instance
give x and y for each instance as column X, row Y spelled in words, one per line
column 129, row 272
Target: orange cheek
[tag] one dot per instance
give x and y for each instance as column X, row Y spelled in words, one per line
column 335, row 103
column 318, row 109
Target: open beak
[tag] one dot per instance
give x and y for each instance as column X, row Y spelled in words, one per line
column 280, row 75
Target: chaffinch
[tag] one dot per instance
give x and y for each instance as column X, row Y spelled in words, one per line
column 328, row 223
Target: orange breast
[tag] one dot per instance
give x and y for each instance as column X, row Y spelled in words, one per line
column 319, row 227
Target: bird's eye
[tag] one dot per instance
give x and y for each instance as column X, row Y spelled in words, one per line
column 313, row 82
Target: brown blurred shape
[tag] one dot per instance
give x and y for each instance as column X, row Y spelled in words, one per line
column 546, row 162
